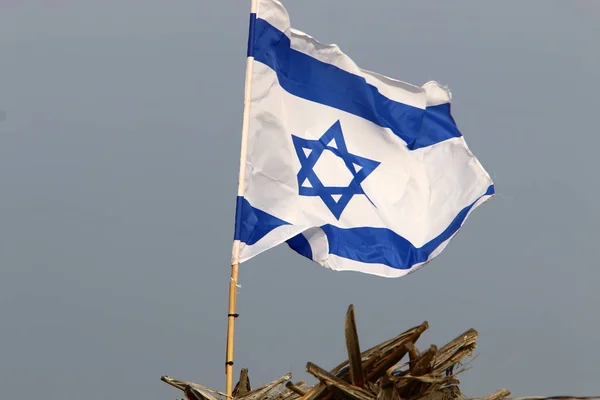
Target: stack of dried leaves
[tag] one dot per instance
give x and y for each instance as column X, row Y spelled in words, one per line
column 375, row 374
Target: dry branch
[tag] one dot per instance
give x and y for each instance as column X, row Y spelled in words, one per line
column 325, row 377
column 181, row 385
column 262, row 392
column 497, row 395
column 357, row 376
column 295, row 388
column 315, row 392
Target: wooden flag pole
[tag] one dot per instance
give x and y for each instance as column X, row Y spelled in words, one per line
column 233, row 283
column 231, row 316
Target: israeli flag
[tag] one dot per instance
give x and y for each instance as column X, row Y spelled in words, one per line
column 354, row 170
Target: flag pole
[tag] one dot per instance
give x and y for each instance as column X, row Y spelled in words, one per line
column 235, row 259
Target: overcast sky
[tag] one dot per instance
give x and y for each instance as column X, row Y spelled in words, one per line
column 120, row 126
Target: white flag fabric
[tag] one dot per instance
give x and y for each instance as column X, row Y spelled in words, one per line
column 354, row 170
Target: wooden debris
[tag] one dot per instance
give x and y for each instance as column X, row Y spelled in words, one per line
column 295, row 388
column 315, row 392
column 192, row 394
column 243, row 385
column 497, row 395
column 379, row 373
column 328, row 379
column 263, row 391
column 289, row 393
column 182, row 385
column 357, row 376
column 387, row 391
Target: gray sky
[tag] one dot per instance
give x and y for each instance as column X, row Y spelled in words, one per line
column 119, row 153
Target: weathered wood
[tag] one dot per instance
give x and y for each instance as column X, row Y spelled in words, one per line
column 329, row 379
column 402, row 380
column 389, row 362
column 456, row 350
column 376, row 357
column 423, row 365
column 266, row 389
column 243, row 385
column 391, row 344
column 357, row 376
column 173, row 382
column 378, row 373
column 295, row 388
column 387, row 390
column 413, row 353
column 445, row 393
column 398, row 354
column 291, row 395
column 342, row 370
column 181, row 385
column 287, row 393
column 192, row 394
column 497, row 395
column 315, row 392
column 447, row 389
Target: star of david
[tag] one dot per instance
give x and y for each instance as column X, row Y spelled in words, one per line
column 336, row 198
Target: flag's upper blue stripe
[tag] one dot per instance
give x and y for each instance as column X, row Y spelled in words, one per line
column 251, row 27
column 311, row 79
column 364, row 244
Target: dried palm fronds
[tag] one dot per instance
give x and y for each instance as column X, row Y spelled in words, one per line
column 378, row 373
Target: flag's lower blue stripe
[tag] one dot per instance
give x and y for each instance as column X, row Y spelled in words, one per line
column 364, row 244
column 311, row 79
column 383, row 246
column 301, row 246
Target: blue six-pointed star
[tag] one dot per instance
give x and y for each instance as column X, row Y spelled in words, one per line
column 332, row 140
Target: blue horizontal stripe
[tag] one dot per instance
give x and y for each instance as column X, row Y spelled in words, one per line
column 438, row 125
column 363, row 244
column 253, row 224
column 311, row 79
column 301, row 246
column 251, row 27
column 383, row 246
